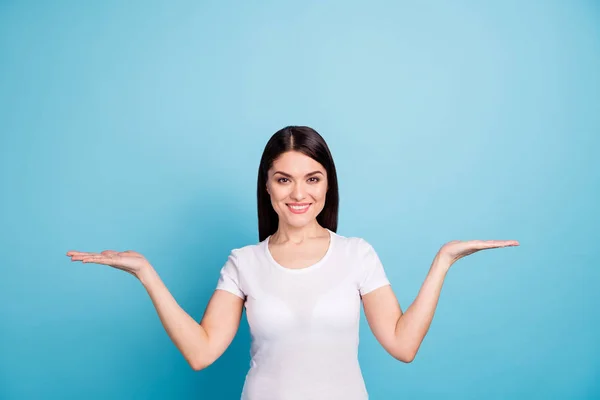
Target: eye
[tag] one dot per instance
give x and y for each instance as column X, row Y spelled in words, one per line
column 279, row 180
column 315, row 179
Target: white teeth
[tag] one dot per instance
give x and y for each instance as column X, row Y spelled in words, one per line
column 299, row 207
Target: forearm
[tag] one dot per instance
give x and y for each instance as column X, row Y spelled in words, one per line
column 190, row 337
column 412, row 326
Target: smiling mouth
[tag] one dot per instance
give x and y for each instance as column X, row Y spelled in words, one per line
column 298, row 208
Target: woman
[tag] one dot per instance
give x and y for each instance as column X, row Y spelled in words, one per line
column 301, row 286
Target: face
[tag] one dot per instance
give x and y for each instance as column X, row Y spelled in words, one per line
column 297, row 185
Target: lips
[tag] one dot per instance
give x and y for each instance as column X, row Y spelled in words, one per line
column 298, row 208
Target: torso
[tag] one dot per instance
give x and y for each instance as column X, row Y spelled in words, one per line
column 304, row 316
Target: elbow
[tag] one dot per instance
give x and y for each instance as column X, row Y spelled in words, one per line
column 199, row 364
column 407, row 359
column 196, row 366
column 405, row 356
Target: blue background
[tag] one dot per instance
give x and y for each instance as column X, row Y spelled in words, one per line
column 141, row 126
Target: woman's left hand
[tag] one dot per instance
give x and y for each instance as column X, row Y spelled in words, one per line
column 457, row 249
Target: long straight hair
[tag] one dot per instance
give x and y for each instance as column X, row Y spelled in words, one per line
column 310, row 143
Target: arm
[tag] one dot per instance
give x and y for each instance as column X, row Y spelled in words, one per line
column 401, row 334
column 201, row 344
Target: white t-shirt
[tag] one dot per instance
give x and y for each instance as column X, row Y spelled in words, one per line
column 304, row 322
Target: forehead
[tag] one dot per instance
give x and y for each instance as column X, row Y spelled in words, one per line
column 294, row 162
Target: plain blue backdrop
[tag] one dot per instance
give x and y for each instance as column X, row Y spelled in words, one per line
column 141, row 126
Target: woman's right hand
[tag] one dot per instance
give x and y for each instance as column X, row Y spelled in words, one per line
column 128, row 261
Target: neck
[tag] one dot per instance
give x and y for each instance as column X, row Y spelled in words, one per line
column 297, row 235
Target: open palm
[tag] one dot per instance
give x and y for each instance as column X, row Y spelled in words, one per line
column 458, row 249
column 128, row 261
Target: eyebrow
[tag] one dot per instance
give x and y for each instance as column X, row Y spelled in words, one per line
column 289, row 176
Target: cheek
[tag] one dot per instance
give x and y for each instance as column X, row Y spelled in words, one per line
column 323, row 189
column 279, row 195
column 320, row 193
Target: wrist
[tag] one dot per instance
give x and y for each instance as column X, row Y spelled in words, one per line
column 146, row 275
column 442, row 262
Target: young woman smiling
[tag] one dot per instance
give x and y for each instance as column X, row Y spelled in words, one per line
column 301, row 285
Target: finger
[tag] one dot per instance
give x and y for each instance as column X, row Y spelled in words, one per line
column 78, row 253
column 476, row 245
column 97, row 259
column 503, row 243
column 109, row 252
column 82, row 256
column 497, row 243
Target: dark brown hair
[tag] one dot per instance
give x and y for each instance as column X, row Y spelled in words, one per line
column 310, row 143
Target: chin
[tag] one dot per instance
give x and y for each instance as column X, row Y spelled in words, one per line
column 299, row 222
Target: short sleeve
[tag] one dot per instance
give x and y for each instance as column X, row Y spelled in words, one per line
column 229, row 279
column 372, row 274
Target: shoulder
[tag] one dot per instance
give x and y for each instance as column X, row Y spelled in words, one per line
column 360, row 256
column 353, row 245
column 246, row 255
column 351, row 241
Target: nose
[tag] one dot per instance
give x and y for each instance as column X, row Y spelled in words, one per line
column 298, row 192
